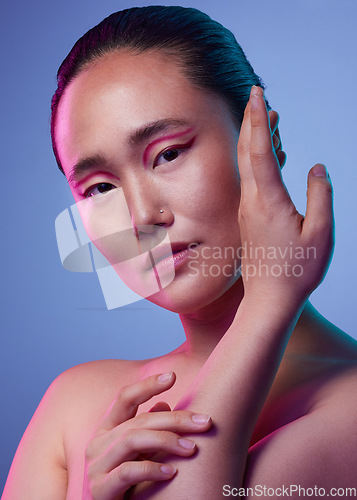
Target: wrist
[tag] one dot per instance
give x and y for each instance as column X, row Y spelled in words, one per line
column 273, row 299
column 270, row 311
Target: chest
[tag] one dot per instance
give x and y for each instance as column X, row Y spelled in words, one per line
column 286, row 402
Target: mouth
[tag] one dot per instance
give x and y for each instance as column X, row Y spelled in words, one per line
column 170, row 255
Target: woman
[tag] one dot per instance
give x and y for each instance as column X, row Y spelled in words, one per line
column 145, row 125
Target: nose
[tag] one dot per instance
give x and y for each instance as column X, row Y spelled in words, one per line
column 147, row 207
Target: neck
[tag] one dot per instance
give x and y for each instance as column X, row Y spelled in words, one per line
column 205, row 328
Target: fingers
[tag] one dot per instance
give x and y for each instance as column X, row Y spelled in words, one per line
column 114, row 455
column 319, row 208
column 112, row 458
column 245, row 170
column 182, row 421
column 143, row 433
column 277, row 145
column 126, row 404
column 260, row 155
column 273, row 120
column 130, row 473
column 136, row 442
column 263, row 161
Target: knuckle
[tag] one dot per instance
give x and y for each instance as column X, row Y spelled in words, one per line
column 320, row 183
column 125, row 394
column 125, row 441
column 177, row 417
column 126, row 399
column 245, row 206
column 260, row 157
column 257, row 156
column 127, row 438
column 123, row 473
column 141, row 419
column 165, row 437
column 145, row 468
column 128, row 472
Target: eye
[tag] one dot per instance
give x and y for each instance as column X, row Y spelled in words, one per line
column 173, row 152
column 168, row 155
column 101, row 188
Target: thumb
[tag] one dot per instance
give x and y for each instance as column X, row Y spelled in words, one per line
column 319, row 207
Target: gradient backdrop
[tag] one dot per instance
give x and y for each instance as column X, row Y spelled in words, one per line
column 52, row 319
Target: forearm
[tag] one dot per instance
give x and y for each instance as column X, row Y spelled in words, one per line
column 231, row 387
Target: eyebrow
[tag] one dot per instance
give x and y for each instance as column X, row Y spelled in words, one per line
column 147, row 131
column 85, row 166
column 144, row 133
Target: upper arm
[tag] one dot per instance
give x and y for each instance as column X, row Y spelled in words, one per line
column 49, row 462
column 318, row 449
column 38, row 470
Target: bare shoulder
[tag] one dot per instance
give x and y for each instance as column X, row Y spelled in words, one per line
column 49, row 438
column 82, row 394
column 317, row 448
column 85, row 379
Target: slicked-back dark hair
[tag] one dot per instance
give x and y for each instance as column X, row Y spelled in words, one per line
column 207, row 52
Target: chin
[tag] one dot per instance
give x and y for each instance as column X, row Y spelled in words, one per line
column 189, row 298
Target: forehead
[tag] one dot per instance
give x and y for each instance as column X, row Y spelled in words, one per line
column 121, row 92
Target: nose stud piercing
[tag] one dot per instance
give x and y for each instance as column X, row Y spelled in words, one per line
column 161, row 211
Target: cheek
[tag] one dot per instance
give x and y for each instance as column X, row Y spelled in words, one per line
column 108, row 225
column 213, row 193
column 107, row 222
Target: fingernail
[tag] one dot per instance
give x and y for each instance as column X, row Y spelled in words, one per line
column 164, row 377
column 200, row 419
column 319, row 170
column 168, row 469
column 255, row 90
column 186, row 443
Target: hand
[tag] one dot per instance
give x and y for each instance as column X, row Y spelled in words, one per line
column 114, row 455
column 283, row 253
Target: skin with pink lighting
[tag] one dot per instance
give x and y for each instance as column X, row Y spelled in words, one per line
column 260, row 392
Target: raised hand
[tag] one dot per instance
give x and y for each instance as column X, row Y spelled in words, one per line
column 283, row 252
column 119, row 454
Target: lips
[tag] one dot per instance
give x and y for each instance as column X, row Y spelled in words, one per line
column 164, row 251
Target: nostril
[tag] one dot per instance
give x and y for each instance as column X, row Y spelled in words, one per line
column 144, row 228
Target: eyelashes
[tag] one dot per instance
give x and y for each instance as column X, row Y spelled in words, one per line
column 101, row 188
column 173, row 152
column 167, row 156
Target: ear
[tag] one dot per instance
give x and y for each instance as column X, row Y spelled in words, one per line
column 280, row 154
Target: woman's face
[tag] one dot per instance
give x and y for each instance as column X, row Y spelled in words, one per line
column 136, row 138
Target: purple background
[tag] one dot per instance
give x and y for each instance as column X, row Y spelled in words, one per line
column 53, row 319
